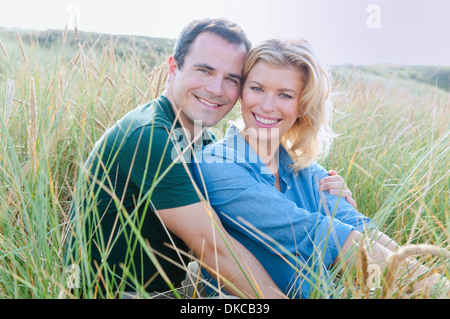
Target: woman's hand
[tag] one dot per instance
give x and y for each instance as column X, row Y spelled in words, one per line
column 333, row 185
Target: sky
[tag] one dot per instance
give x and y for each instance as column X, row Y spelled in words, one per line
column 342, row 31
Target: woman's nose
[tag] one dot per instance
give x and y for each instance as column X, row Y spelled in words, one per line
column 268, row 103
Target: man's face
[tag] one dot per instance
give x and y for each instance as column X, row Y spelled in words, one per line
column 208, row 85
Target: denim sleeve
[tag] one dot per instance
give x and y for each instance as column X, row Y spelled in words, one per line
column 338, row 207
column 241, row 200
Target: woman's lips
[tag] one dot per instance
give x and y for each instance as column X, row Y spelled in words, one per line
column 264, row 121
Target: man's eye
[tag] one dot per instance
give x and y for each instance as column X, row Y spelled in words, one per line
column 234, row 81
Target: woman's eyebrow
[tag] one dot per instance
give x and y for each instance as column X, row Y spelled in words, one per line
column 280, row 90
column 288, row 90
column 256, row 82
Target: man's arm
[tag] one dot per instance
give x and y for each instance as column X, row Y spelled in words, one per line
column 194, row 226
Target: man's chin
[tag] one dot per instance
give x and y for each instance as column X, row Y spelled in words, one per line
column 206, row 123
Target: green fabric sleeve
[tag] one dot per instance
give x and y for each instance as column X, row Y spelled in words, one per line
column 147, row 155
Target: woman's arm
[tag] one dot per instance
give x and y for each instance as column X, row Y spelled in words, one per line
column 241, row 200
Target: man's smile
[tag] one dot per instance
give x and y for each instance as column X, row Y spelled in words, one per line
column 209, row 103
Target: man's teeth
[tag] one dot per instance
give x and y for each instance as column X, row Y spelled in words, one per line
column 207, row 103
column 265, row 121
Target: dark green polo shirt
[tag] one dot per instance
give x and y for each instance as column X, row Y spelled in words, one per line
column 129, row 161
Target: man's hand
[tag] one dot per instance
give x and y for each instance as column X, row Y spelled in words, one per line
column 333, row 185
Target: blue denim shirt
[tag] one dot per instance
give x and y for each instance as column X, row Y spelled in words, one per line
column 290, row 232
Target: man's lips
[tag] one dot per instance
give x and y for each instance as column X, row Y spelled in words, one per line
column 209, row 103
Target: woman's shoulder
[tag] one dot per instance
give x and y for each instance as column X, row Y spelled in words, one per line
column 217, row 162
column 316, row 168
column 313, row 172
column 220, row 152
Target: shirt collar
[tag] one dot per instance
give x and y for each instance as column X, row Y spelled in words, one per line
column 237, row 142
column 207, row 137
column 168, row 110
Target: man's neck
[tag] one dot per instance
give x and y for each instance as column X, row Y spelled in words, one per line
column 191, row 131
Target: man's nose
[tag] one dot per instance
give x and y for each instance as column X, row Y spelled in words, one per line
column 215, row 86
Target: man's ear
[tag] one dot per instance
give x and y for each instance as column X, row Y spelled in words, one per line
column 173, row 66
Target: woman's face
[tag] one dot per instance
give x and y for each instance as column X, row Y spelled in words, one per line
column 270, row 101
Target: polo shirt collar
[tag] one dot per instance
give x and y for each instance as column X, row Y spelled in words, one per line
column 207, row 137
column 168, row 110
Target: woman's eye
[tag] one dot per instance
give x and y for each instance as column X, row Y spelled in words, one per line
column 286, row 96
column 255, row 88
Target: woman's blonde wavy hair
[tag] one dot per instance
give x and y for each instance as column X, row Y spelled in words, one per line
column 311, row 135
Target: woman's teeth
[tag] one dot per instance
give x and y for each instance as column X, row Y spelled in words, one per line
column 265, row 121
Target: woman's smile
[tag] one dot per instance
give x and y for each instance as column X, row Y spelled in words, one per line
column 264, row 121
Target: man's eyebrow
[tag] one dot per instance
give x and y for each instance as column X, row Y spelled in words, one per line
column 235, row 76
column 210, row 68
column 205, row 66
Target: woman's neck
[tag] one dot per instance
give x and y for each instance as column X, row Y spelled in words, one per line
column 267, row 150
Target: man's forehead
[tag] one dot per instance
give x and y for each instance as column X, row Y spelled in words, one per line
column 208, row 41
column 215, row 51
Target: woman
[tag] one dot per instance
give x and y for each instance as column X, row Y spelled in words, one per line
column 262, row 178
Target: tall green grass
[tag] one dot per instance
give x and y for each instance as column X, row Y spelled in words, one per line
column 392, row 149
column 78, row 93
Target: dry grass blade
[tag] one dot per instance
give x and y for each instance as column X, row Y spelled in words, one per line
column 161, row 80
column 4, row 50
column 32, row 127
column 64, row 35
column 83, row 63
column 8, row 99
column 22, row 51
column 363, row 266
column 398, row 259
column 112, row 57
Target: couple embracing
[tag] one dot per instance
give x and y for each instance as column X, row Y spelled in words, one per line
column 257, row 211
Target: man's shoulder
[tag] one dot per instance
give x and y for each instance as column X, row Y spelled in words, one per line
column 155, row 113
column 150, row 118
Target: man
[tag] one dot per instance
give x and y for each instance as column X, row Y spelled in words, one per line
column 138, row 215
